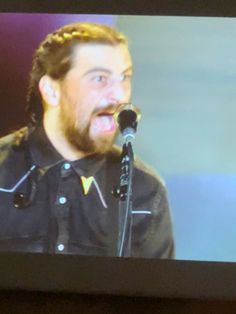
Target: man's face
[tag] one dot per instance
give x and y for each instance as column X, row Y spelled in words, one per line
column 98, row 82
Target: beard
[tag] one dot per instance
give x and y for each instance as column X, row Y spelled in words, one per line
column 79, row 137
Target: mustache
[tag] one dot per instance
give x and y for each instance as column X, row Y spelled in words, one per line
column 109, row 109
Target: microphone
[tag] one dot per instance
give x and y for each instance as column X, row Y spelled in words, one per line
column 127, row 118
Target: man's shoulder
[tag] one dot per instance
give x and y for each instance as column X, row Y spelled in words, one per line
column 13, row 138
column 148, row 171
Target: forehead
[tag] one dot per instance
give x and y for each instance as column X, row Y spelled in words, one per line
column 91, row 55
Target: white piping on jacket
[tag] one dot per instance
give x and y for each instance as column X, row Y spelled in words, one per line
column 21, row 180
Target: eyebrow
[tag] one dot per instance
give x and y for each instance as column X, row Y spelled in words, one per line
column 101, row 69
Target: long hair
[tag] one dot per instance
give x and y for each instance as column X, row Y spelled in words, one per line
column 54, row 57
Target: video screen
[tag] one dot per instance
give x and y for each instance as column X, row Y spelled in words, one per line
column 183, row 82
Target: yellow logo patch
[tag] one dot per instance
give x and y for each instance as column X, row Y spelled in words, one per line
column 86, row 184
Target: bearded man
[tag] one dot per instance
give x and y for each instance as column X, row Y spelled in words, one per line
column 57, row 174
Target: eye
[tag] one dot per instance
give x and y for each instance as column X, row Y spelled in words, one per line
column 100, row 78
column 126, row 77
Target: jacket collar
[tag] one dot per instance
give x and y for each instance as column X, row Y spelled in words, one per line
column 46, row 156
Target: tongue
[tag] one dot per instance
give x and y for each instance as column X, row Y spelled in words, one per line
column 104, row 123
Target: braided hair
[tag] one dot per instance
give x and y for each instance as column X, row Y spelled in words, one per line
column 54, row 57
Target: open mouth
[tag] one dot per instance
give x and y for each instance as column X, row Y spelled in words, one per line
column 104, row 122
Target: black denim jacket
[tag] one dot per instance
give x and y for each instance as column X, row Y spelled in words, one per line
column 66, row 215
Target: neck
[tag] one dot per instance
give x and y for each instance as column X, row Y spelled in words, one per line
column 59, row 141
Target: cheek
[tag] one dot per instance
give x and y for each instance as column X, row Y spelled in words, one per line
column 128, row 90
column 90, row 102
column 84, row 112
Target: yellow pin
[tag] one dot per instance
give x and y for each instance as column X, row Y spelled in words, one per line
column 86, row 184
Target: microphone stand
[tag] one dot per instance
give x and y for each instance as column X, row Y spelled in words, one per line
column 125, row 201
column 127, row 118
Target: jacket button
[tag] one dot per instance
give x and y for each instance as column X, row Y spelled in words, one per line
column 62, row 200
column 66, row 166
column 60, row 247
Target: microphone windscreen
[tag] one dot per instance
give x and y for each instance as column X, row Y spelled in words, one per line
column 127, row 116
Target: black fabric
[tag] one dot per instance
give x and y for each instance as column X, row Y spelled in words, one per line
column 62, row 218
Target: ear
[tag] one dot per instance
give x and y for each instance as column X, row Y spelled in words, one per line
column 49, row 90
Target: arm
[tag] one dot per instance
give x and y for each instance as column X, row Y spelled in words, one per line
column 152, row 234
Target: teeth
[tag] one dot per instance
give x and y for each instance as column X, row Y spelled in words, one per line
column 106, row 123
